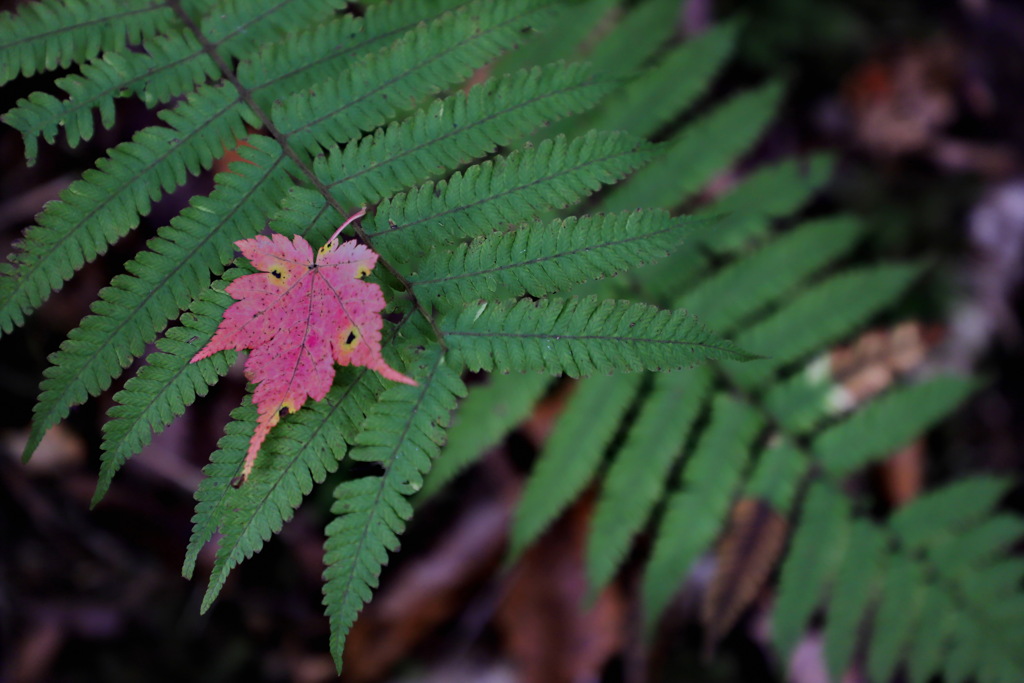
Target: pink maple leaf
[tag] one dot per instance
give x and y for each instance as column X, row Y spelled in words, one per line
column 299, row 316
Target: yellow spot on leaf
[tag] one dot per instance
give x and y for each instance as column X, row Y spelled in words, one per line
column 348, row 340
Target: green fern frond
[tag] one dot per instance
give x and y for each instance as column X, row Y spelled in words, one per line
column 300, row 453
column 779, row 471
column 895, row 616
column 236, row 27
column 305, row 212
column 947, row 512
column 579, row 337
column 225, row 464
column 934, row 633
column 654, row 98
column 453, row 131
column 815, row 553
column 171, row 65
column 487, row 414
column 985, row 541
column 855, row 585
column 804, row 399
column 696, row 513
column 559, row 40
column 571, row 455
column 624, row 46
column 328, row 49
column 635, row 38
column 165, row 385
column 52, row 34
column 101, row 82
column 771, row 272
column 366, row 107
column 637, row 476
column 107, row 202
column 543, row 258
column 889, row 423
column 506, row 191
column 425, row 61
column 742, row 214
column 924, row 611
column 162, row 281
column 772, row 191
column 692, row 157
column 402, row 433
column 821, row 315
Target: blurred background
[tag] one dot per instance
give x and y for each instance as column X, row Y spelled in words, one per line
column 922, row 102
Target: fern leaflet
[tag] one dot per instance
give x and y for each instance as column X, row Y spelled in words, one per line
column 889, row 423
column 54, row 34
column 695, row 514
column 540, row 259
column 579, row 337
column 402, row 433
column 834, row 306
column 690, row 158
column 453, row 131
column 636, row 479
column 164, row 386
column 485, row 416
column 572, row 454
column 506, row 191
column 422, row 62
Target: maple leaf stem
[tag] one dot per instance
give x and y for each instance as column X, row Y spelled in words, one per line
column 356, row 216
column 246, row 95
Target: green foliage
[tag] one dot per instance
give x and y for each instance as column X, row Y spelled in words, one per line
column 499, row 168
column 695, row 513
column 637, row 476
column 924, row 584
column 888, row 423
column 488, row 413
column 164, row 386
column 553, row 175
column 679, row 77
column 699, row 150
column 43, row 36
column 579, row 337
column 402, row 433
column 836, row 307
column 542, row 258
column 572, row 454
column 771, row 272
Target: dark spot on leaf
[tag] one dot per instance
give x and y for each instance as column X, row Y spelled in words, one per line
column 237, row 482
column 276, row 273
column 350, row 338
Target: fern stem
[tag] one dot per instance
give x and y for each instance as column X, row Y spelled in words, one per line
column 297, row 159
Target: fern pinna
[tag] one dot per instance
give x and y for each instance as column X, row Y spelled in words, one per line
column 468, row 190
